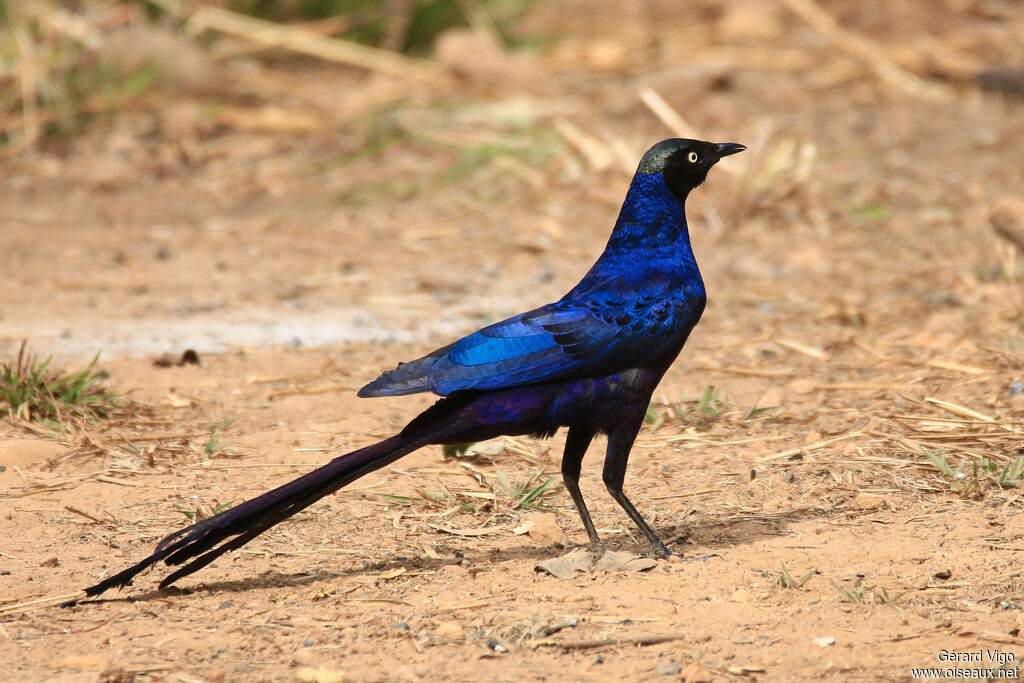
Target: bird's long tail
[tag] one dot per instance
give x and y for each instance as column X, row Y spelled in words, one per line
column 200, row 544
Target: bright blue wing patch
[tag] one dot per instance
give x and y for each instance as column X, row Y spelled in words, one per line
column 591, row 335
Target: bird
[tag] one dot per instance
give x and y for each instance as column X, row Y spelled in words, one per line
column 588, row 362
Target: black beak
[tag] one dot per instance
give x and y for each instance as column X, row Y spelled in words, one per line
column 726, row 148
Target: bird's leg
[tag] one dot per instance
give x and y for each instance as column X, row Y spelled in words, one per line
column 620, row 442
column 576, row 444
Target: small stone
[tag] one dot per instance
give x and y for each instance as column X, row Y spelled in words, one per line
column 695, row 673
column 450, row 630
column 741, row 595
column 50, row 562
column 308, row 674
column 669, row 669
column 867, row 501
column 306, row 656
column 824, row 641
column 545, row 529
column 943, row 574
column 1016, row 388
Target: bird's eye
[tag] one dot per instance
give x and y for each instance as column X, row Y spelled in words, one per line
column 692, row 157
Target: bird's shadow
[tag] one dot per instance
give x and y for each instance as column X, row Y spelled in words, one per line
column 697, row 540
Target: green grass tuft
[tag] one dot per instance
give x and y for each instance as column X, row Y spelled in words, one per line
column 786, row 579
column 32, row 391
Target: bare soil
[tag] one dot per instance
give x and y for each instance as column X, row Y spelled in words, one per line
column 306, row 227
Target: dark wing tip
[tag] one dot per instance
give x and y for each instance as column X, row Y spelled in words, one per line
column 371, row 390
column 387, row 385
column 407, row 378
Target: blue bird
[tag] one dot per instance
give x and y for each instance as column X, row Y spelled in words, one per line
column 589, row 362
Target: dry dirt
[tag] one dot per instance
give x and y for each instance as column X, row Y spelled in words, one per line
column 858, row 293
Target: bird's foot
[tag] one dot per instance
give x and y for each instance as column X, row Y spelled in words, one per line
column 595, row 550
column 658, row 549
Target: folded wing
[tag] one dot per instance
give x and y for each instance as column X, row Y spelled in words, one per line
column 571, row 338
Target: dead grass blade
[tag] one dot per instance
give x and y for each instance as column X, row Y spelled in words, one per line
column 24, row 606
column 589, row 643
column 309, row 43
column 782, row 455
column 868, row 52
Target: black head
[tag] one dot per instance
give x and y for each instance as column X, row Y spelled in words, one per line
column 685, row 163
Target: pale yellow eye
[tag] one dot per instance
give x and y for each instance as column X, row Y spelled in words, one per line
column 692, row 157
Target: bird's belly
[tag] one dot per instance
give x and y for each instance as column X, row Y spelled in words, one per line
column 604, row 403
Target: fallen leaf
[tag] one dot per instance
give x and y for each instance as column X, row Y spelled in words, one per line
column 392, row 573
column 566, row 566
column 524, row 528
column 623, row 562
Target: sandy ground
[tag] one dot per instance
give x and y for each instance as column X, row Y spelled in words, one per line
column 862, row 311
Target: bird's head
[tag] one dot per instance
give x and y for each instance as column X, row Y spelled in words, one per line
column 684, row 164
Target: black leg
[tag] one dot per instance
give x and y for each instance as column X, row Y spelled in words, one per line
column 576, row 444
column 620, row 442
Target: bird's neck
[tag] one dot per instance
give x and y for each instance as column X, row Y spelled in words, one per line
column 650, row 231
column 650, row 244
column 652, row 216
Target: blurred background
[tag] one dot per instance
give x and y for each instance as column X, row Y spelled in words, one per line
column 322, row 171
column 304, row 192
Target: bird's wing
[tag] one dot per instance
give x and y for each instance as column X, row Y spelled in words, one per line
column 603, row 332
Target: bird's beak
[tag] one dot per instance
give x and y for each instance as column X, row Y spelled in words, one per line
column 726, row 148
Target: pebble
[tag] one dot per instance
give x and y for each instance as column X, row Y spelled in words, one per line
column 669, row 669
column 695, row 673
column 545, row 529
column 741, row 595
column 308, row 674
column 867, row 501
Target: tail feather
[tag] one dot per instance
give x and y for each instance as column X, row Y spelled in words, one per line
column 200, row 544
